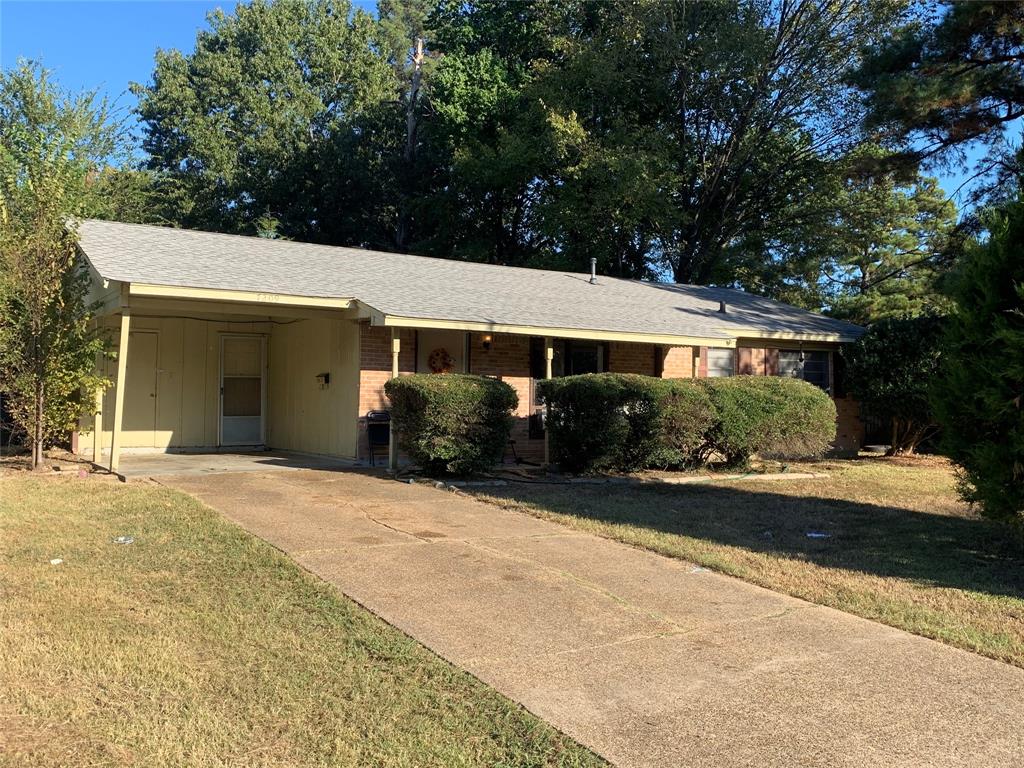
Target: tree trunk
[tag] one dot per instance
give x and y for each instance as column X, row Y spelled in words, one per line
column 404, row 224
column 906, row 437
column 37, row 427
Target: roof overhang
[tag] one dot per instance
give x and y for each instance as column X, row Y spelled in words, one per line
column 266, row 299
column 756, row 333
column 396, row 321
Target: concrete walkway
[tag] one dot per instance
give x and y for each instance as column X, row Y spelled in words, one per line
column 645, row 659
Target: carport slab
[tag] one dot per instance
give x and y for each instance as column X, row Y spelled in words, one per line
column 643, row 658
column 143, row 465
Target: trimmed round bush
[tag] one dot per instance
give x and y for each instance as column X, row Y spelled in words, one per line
column 769, row 415
column 625, row 422
column 451, row 424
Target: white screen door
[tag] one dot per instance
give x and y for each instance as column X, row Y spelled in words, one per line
column 242, row 390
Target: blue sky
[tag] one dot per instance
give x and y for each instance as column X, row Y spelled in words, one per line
column 107, row 45
column 103, row 45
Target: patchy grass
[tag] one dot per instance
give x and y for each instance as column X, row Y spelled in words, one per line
column 200, row 645
column 901, row 550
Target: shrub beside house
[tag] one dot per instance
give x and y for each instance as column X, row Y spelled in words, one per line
column 452, row 424
column 626, row 422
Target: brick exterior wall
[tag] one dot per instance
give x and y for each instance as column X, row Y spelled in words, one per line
column 375, row 370
column 676, row 362
column 849, row 427
column 626, row 357
column 751, row 361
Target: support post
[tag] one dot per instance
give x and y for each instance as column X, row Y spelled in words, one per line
column 97, row 426
column 122, row 375
column 549, row 356
column 396, row 347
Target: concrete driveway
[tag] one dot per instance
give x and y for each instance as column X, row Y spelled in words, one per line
column 645, row 659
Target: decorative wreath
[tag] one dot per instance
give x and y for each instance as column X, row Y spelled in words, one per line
column 440, row 361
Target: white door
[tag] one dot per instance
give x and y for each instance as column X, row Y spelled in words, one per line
column 242, row 390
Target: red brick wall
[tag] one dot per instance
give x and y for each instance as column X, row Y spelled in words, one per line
column 849, row 427
column 375, row 370
column 677, row 362
column 753, row 361
column 626, row 357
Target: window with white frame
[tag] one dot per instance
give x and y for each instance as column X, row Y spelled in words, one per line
column 721, row 362
column 812, row 367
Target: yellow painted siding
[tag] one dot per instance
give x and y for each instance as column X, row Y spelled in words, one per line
column 186, row 385
column 303, row 416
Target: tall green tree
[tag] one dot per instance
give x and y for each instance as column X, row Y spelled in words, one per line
column 951, row 76
column 693, row 139
column 979, row 395
column 888, row 246
column 53, row 150
column 698, row 141
column 405, row 37
column 267, row 116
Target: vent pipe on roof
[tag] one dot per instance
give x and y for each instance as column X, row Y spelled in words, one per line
column 721, row 307
column 593, row 271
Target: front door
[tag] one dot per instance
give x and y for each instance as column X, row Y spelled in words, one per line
column 140, row 393
column 242, row 390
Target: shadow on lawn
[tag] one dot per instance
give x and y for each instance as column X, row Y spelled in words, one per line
column 934, row 549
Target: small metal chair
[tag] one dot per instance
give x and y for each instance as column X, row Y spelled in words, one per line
column 378, row 432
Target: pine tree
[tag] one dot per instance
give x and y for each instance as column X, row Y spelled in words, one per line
column 979, row 396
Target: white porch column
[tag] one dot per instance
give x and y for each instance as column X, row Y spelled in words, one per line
column 549, row 356
column 122, row 375
column 396, row 347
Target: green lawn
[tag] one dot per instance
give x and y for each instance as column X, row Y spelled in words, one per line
column 200, row 645
column 901, row 550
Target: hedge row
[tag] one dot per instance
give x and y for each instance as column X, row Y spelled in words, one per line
column 628, row 422
column 458, row 424
column 453, row 424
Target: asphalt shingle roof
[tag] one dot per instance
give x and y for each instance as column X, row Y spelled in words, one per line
column 431, row 288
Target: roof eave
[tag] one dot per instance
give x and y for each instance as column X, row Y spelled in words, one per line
column 269, row 299
column 590, row 334
column 759, row 333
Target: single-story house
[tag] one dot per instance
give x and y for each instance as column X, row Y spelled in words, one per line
column 227, row 341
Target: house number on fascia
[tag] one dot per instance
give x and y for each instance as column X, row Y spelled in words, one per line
column 268, row 297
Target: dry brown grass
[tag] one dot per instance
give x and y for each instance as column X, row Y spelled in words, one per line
column 902, row 548
column 200, row 645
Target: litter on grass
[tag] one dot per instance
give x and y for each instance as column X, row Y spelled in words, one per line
column 124, row 539
column 56, row 561
column 818, row 535
column 697, row 569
